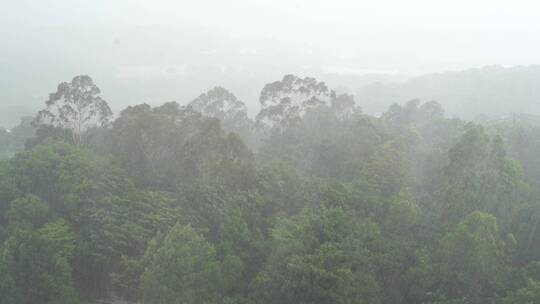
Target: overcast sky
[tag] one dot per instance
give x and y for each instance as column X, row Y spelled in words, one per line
column 381, row 35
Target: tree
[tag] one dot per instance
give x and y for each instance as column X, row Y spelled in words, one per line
column 479, row 176
column 471, row 259
column 115, row 238
column 344, row 106
column 412, row 113
column 75, row 106
column 28, row 210
column 529, row 294
column 7, row 285
column 167, row 145
column 223, row 105
column 36, row 264
column 283, row 103
column 325, row 143
column 65, row 177
column 182, row 269
column 12, row 141
column 321, row 256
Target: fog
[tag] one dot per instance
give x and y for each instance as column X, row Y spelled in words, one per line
column 154, row 51
column 269, row 152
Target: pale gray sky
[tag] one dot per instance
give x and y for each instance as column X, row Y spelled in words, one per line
column 412, row 36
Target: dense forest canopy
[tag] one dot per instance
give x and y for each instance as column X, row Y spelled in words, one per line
column 310, row 201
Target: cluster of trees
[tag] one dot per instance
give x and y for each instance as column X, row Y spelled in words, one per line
column 311, row 202
column 12, row 141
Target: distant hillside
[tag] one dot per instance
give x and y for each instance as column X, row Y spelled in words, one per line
column 488, row 91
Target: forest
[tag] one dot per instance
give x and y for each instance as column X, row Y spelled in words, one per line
column 310, row 201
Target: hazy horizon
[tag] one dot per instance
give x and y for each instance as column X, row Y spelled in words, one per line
column 142, row 51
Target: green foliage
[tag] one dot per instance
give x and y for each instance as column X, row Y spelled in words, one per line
column 28, row 210
column 480, row 177
column 334, row 207
column 167, row 145
column 182, row 269
column 321, row 257
column 324, row 144
column 37, row 266
column 529, row 294
column 471, row 259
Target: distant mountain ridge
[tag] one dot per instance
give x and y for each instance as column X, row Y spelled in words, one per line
column 491, row 91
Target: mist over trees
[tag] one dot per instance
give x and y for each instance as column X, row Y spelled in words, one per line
column 155, row 64
column 75, row 106
column 488, row 92
column 313, row 200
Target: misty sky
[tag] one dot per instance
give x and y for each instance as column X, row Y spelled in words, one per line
column 391, row 36
column 162, row 50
